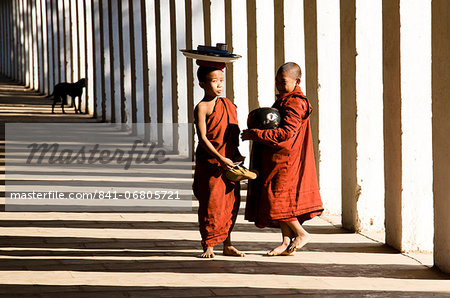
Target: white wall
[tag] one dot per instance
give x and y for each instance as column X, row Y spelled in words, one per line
column 417, row 197
column 369, row 127
column 265, row 53
column 329, row 71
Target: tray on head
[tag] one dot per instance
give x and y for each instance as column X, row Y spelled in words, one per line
column 193, row 54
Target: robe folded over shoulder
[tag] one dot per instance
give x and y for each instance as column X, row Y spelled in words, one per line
column 286, row 187
column 218, row 197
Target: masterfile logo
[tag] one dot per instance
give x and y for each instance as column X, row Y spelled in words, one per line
column 98, row 167
column 52, row 153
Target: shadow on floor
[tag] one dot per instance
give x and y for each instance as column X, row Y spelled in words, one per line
column 149, row 291
column 158, row 225
column 231, row 265
column 162, row 244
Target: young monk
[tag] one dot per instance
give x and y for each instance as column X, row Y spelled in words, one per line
column 286, row 192
column 218, row 135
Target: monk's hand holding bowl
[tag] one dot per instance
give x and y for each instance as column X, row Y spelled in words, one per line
column 226, row 163
column 245, row 135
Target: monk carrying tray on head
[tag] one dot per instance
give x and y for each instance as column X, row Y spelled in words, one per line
column 217, row 151
column 286, row 192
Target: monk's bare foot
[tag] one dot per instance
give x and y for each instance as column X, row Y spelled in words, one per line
column 298, row 243
column 279, row 250
column 287, row 253
column 232, row 251
column 208, row 253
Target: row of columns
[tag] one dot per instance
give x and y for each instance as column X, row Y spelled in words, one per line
column 386, row 120
column 367, row 69
column 42, row 41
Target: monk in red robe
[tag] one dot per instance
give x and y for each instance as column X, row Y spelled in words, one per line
column 286, row 192
column 218, row 134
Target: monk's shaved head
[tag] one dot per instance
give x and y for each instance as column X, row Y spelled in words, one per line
column 292, row 69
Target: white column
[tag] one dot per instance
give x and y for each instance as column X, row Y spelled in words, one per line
column 22, row 68
column 7, row 21
column 56, row 41
column 11, row 39
column 265, row 52
column 181, row 86
column 35, row 45
column 166, row 72
column 17, row 41
column 30, row 44
column 217, row 22
column 139, row 64
column 4, row 45
column 7, row 39
column 25, row 31
column 3, row 55
column 238, row 17
column 45, row 47
column 51, row 79
column 369, row 131
column 40, row 50
column 417, row 196
column 151, row 58
column 98, row 59
column 294, row 36
column 68, row 38
column 5, row 51
column 117, row 91
column 75, row 37
column 11, row 22
column 127, row 56
column 62, row 45
column 107, row 56
column 82, row 49
column 11, row 25
column 14, row 39
column 90, row 58
column 2, row 38
column 217, row 13
column 198, row 38
column 329, row 73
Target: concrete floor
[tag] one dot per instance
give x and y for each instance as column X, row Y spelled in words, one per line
column 153, row 254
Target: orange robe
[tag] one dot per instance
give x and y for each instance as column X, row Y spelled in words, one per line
column 286, row 187
column 218, row 197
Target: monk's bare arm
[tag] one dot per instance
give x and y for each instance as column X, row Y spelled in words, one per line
column 292, row 122
column 200, row 114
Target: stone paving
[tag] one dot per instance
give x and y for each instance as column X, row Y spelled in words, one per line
column 153, row 254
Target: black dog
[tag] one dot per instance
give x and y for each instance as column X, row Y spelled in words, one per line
column 61, row 91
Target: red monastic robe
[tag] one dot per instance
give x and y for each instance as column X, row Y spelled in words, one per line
column 286, row 187
column 218, row 197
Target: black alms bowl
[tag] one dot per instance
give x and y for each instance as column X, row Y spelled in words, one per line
column 264, row 118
